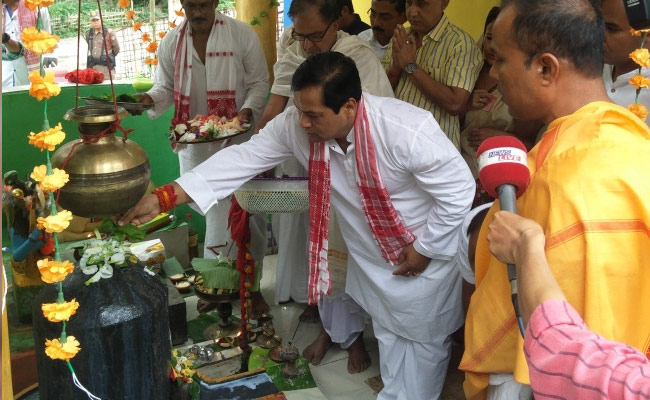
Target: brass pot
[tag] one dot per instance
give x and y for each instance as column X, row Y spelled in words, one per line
column 107, row 177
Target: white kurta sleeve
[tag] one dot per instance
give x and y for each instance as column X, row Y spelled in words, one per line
column 256, row 73
column 440, row 170
column 228, row 169
column 162, row 92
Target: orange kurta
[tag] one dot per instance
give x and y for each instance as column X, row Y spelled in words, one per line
column 590, row 192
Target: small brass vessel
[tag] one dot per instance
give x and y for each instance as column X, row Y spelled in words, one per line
column 107, row 175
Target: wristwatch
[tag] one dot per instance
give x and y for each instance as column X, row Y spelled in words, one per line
column 5, row 38
column 410, row 68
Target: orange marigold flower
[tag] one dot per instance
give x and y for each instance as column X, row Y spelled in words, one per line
column 172, row 25
column 38, row 42
column 129, row 14
column 641, row 57
column 161, row 34
column 180, row 13
column 137, row 26
column 124, row 3
column 43, row 87
column 639, row 110
column 58, row 351
column 55, row 223
column 33, row 4
column 153, row 46
column 151, row 61
column 54, row 271
column 639, row 81
column 59, row 312
column 48, row 139
column 52, row 182
column 145, row 37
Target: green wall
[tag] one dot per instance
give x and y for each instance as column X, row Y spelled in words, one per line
column 22, row 114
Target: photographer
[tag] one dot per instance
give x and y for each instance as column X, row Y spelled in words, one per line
column 97, row 52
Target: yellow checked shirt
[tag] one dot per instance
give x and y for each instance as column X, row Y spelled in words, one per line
column 449, row 56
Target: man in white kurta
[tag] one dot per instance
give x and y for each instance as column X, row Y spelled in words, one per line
column 429, row 186
column 250, row 92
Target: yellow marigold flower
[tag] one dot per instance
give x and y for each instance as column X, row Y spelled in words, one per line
column 39, row 173
column 180, row 13
column 153, row 46
column 639, row 110
column 172, row 25
column 124, row 3
column 38, row 42
column 162, row 34
column 145, row 37
column 55, row 223
column 130, row 15
column 54, row 271
column 57, row 351
column 33, row 4
column 641, row 57
column 137, row 26
column 55, row 181
column 43, row 87
column 47, row 139
column 59, row 312
column 639, row 81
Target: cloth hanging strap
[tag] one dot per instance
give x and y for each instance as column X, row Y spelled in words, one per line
column 388, row 230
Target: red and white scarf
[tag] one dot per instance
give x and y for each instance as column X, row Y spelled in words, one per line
column 220, row 71
column 385, row 224
column 26, row 18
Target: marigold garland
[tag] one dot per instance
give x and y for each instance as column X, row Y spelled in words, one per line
column 641, row 57
column 55, row 223
column 124, row 3
column 39, row 41
column 47, row 140
column 59, row 312
column 129, row 15
column 43, row 87
column 152, row 47
column 34, row 4
column 145, row 38
column 54, row 271
column 57, row 351
column 137, row 26
column 162, row 34
column 172, row 25
column 639, row 110
column 151, row 61
column 50, row 183
column 180, row 13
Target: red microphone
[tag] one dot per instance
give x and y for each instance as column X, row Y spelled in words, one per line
column 504, row 173
column 503, row 169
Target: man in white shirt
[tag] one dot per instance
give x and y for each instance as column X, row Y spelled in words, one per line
column 423, row 184
column 619, row 68
column 18, row 62
column 385, row 15
column 211, row 64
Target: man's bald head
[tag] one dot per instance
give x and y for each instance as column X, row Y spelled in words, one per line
column 572, row 30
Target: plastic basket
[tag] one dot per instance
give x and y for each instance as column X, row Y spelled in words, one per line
column 274, row 195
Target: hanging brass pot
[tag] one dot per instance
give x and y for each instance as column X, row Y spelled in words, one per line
column 107, row 177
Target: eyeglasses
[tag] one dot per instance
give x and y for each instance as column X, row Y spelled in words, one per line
column 312, row 37
column 383, row 17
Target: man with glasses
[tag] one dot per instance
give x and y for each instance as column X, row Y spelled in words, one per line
column 433, row 64
column 385, row 15
column 211, row 64
column 316, row 30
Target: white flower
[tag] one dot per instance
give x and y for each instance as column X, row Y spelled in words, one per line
column 196, row 123
column 187, row 137
column 180, row 128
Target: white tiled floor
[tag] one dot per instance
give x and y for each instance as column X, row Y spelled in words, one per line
column 331, row 376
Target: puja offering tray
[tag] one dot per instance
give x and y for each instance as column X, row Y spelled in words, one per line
column 274, row 195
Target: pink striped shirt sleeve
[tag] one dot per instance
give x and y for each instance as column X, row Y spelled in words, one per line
column 568, row 361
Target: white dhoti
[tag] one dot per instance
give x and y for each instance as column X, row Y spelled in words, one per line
column 411, row 370
column 504, row 387
column 217, row 234
column 292, row 234
column 343, row 319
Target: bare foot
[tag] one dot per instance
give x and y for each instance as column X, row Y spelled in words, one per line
column 315, row 352
column 310, row 315
column 204, row 306
column 259, row 304
column 359, row 359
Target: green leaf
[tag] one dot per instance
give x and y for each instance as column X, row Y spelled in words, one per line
column 256, row 21
column 195, row 389
column 274, row 3
column 264, row 14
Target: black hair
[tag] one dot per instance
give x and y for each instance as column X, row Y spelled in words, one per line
column 335, row 73
column 400, row 5
column 491, row 16
column 330, row 10
column 570, row 29
column 346, row 3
